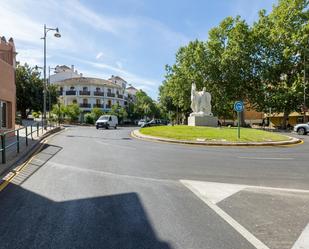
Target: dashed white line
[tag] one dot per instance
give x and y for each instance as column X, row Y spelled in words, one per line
column 266, row 158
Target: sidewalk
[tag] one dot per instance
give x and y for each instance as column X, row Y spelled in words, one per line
column 12, row 157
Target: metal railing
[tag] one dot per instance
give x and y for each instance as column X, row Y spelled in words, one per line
column 14, row 135
column 85, row 105
column 97, row 93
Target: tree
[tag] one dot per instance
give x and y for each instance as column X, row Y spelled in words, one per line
column 119, row 111
column 281, row 41
column 72, row 112
column 96, row 113
column 29, row 90
column 242, row 62
column 59, row 111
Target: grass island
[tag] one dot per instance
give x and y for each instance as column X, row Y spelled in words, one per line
column 201, row 133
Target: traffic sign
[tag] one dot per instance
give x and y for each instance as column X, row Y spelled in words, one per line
column 238, row 106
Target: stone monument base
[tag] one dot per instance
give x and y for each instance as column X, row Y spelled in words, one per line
column 203, row 121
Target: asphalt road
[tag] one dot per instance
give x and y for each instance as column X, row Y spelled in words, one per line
column 93, row 188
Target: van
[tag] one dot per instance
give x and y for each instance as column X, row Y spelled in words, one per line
column 107, row 121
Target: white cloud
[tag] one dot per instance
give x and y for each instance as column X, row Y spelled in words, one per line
column 99, row 55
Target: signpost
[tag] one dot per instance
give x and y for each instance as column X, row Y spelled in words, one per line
column 238, row 107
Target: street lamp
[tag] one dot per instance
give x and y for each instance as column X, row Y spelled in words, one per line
column 305, row 107
column 57, row 34
column 49, row 98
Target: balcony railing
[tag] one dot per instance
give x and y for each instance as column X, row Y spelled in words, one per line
column 97, row 93
column 98, row 105
column 108, row 106
column 120, row 96
column 84, row 93
column 70, row 92
column 85, row 105
column 110, row 94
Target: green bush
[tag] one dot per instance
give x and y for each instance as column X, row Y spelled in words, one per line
column 89, row 119
column 72, row 112
column 96, row 113
column 36, row 114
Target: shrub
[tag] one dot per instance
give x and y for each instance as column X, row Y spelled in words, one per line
column 72, row 112
column 89, row 119
column 96, row 113
column 36, row 114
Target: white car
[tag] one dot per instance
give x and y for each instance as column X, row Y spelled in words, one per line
column 302, row 129
column 141, row 122
column 107, row 121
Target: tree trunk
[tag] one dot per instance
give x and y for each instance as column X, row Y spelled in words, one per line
column 285, row 118
column 23, row 113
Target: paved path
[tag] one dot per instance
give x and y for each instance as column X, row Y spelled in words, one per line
column 93, row 188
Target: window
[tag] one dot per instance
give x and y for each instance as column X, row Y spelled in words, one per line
column 85, row 88
column 3, row 111
column 74, row 101
column 98, row 89
column 300, row 120
column 85, row 101
column 72, row 88
column 98, row 101
column 109, row 90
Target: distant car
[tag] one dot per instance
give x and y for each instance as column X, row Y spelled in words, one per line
column 154, row 122
column 302, row 129
column 107, row 121
column 141, row 122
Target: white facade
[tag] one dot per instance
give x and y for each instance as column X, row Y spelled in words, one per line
column 90, row 92
column 63, row 73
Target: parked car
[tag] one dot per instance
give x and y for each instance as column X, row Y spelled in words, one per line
column 302, row 129
column 154, row 122
column 141, row 122
column 107, row 121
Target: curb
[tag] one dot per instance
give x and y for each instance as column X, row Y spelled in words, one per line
column 17, row 165
column 291, row 141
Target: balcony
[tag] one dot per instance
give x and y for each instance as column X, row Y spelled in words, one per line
column 120, row 96
column 85, row 105
column 98, row 105
column 110, row 94
column 84, row 93
column 70, row 92
column 97, row 93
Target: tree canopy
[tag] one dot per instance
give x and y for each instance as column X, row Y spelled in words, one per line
column 261, row 64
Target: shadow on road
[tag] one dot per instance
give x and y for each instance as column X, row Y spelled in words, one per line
column 29, row 220
column 46, row 153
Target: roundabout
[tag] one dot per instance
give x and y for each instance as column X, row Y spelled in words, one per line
column 213, row 136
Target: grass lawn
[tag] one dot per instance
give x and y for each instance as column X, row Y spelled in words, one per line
column 183, row 132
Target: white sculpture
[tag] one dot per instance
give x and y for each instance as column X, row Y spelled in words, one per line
column 200, row 102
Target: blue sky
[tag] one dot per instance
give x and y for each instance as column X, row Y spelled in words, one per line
column 134, row 39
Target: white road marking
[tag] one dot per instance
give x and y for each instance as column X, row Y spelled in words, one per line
column 303, row 240
column 239, row 228
column 266, row 158
column 215, row 192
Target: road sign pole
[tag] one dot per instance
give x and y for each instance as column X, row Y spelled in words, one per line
column 238, row 117
column 238, row 107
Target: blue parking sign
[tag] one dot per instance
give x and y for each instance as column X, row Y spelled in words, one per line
column 238, row 106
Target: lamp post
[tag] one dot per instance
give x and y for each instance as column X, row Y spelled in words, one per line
column 305, row 107
column 49, row 98
column 57, row 34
